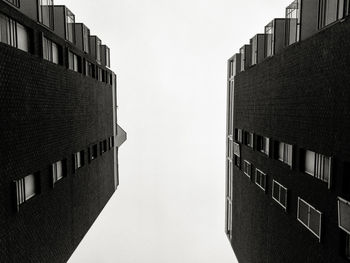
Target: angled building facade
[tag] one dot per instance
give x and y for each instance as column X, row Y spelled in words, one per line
column 59, row 151
column 288, row 160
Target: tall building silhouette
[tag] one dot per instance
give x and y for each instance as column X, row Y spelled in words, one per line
column 288, row 128
column 59, row 132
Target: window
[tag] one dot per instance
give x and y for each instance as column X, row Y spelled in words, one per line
column 309, row 217
column 59, row 171
column 327, row 12
column 70, row 20
column 231, row 69
column 237, row 154
column 100, row 74
column 110, row 142
column 318, row 166
column 14, row 2
column 260, row 179
column 343, row 8
column 238, row 135
column 93, row 152
column 26, row 188
column 46, row 13
column 344, row 215
column 50, row 51
column 78, row 160
column 103, row 146
column 13, row 33
column 293, row 22
column 86, row 37
column 230, row 149
column 98, row 51
column 108, row 58
column 263, row 144
column 347, row 246
column 279, row 194
column 249, row 139
column 269, row 40
column 73, row 62
column 89, row 69
column 285, row 153
column 247, row 168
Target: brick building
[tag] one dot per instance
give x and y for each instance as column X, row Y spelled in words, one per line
column 288, row 128
column 60, row 137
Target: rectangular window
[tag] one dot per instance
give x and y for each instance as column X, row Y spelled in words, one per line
column 50, row 51
column 89, row 69
column 86, row 37
column 94, row 152
column 13, row 33
column 260, row 179
column 26, row 188
column 108, row 58
column 238, row 135
column 78, row 160
column 70, row 20
column 269, row 40
column 46, row 13
column 100, row 74
column 344, row 215
column 98, row 51
column 110, row 142
column 59, row 170
column 73, row 61
column 14, row 2
column 285, row 153
column 293, row 22
column 327, row 12
column 249, row 139
column 318, row 166
column 308, row 216
column 237, row 154
column 279, row 194
column 247, row 168
column 263, row 144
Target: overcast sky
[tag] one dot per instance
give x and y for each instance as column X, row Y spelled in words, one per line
column 170, row 57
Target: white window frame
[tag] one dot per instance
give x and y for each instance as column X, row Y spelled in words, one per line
column 318, row 170
column 264, row 179
column 249, row 171
column 57, row 171
column 21, row 192
column 279, row 194
column 338, row 205
column 285, row 155
column 308, row 218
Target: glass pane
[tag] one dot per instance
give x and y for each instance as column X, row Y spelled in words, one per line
column 326, row 169
column 59, row 170
column 3, row 29
column 22, row 38
column 310, row 162
column 55, row 58
column 29, row 182
column 289, row 154
column 70, row 60
column 331, row 11
column 283, row 197
column 280, row 151
column 276, row 189
column 303, row 212
column 314, row 221
column 344, row 215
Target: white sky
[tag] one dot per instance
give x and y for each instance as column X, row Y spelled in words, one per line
column 170, row 57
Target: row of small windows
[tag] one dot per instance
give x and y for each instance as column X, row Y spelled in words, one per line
column 29, row 186
column 16, row 35
column 307, row 215
column 314, row 164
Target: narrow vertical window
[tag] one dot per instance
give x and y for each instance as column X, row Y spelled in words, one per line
column 247, row 168
column 98, row 51
column 318, row 165
column 279, row 194
column 73, row 61
column 308, row 216
column 269, row 40
column 46, row 13
column 58, row 171
column 285, row 153
column 78, row 160
column 237, row 154
column 260, row 179
column 50, row 51
column 70, row 20
column 26, row 188
column 22, row 38
column 293, row 22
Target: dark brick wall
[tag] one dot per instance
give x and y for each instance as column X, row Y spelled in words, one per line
column 300, row 97
column 47, row 114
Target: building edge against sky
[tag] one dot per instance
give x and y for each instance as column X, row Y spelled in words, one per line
column 60, row 136
column 287, row 159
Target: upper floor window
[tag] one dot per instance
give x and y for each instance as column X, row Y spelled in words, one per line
column 73, row 61
column 93, row 154
column 247, row 168
column 108, row 57
column 27, row 188
column 86, row 39
column 269, row 39
column 98, row 51
column 14, row 2
column 46, row 13
column 89, row 69
column 285, row 153
column 13, row 33
column 318, row 166
column 59, row 170
column 260, row 179
column 249, row 139
column 344, row 214
column 50, row 51
column 293, row 22
column 70, row 32
column 238, row 135
column 279, row 194
column 231, row 68
column 327, row 12
column 78, row 160
column 263, row 144
column 309, row 217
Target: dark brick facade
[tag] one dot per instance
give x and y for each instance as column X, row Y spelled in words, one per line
column 301, row 97
column 47, row 114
